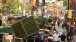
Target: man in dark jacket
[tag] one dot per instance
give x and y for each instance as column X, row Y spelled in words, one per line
column 63, row 37
column 1, row 37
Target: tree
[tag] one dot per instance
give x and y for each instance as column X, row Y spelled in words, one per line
column 28, row 7
column 12, row 6
column 65, row 3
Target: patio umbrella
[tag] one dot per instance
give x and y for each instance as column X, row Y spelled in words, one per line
column 6, row 30
column 41, row 19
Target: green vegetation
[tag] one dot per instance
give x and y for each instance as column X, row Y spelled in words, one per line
column 12, row 6
column 65, row 3
column 28, row 7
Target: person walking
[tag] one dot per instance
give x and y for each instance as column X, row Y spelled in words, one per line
column 68, row 37
column 42, row 37
column 58, row 23
column 56, row 37
column 74, row 37
column 63, row 37
column 1, row 37
column 46, row 39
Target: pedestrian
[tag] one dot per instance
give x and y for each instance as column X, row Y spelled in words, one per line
column 60, row 33
column 63, row 37
column 56, row 37
column 69, row 37
column 0, row 22
column 74, row 37
column 42, row 37
column 58, row 23
column 46, row 39
column 1, row 37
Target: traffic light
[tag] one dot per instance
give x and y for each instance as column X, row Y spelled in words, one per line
column 70, row 14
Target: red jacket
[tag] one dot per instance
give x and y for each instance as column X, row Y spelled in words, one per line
column 46, row 40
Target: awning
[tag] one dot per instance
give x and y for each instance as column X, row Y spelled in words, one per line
column 6, row 30
column 41, row 19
